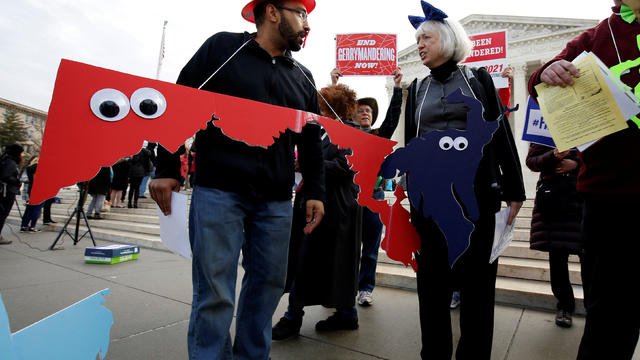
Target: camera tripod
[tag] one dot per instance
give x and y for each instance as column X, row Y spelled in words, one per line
column 77, row 213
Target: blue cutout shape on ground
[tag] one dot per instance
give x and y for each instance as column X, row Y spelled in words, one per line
column 441, row 166
column 78, row 332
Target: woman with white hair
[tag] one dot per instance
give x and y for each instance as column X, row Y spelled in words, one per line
column 442, row 45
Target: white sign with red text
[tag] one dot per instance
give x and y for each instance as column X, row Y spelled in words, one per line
column 490, row 51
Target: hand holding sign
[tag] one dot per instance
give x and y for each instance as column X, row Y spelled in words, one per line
column 335, row 75
column 397, row 77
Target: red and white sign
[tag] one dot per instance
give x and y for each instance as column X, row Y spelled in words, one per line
column 366, row 54
column 490, row 50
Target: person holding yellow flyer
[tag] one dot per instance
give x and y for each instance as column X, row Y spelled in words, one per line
column 609, row 181
column 583, row 112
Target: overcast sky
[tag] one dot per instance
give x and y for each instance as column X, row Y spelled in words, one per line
column 124, row 35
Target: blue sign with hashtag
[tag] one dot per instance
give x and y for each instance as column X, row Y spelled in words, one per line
column 535, row 129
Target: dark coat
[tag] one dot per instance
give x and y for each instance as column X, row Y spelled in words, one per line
column 325, row 263
column 556, row 231
column 31, row 172
column 233, row 166
column 9, row 175
column 100, row 183
column 120, row 175
column 140, row 164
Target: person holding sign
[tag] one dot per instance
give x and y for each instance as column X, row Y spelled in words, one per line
column 241, row 200
column 364, row 118
column 442, row 45
column 609, row 181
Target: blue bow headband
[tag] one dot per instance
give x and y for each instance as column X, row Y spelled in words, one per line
column 430, row 13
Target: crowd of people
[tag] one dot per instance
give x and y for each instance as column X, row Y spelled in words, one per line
column 108, row 188
column 126, row 179
column 322, row 247
column 333, row 263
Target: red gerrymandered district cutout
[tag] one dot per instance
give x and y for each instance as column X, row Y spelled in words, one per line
column 74, row 146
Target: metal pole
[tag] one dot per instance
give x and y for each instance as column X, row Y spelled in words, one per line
column 161, row 54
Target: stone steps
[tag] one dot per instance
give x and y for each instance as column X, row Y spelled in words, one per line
column 523, row 274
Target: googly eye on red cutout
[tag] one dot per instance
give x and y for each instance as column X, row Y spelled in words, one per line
column 109, row 104
column 148, row 103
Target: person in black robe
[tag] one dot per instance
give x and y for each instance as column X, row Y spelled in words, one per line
column 119, row 181
column 323, row 266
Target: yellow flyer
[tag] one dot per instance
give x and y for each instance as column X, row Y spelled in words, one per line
column 582, row 112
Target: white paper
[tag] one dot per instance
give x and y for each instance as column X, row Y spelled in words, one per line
column 174, row 230
column 503, row 234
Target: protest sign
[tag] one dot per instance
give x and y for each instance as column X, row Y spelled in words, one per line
column 490, row 51
column 366, row 54
column 535, row 129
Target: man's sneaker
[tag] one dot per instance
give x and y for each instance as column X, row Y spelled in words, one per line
column 4, row 241
column 455, row 300
column 334, row 322
column 563, row 319
column 32, row 229
column 364, row 298
column 286, row 328
column 24, row 229
column 50, row 222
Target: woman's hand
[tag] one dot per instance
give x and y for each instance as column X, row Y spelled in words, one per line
column 335, row 75
column 315, row 213
column 560, row 155
column 397, row 77
column 514, row 208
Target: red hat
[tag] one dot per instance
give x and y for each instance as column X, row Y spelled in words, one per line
column 247, row 10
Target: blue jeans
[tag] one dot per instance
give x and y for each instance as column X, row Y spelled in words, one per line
column 31, row 215
column 220, row 224
column 371, row 237
column 143, row 184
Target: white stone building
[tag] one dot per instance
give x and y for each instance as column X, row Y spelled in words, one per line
column 34, row 120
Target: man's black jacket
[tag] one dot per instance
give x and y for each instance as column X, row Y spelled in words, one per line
column 229, row 165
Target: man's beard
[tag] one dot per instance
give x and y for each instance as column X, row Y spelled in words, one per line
column 289, row 35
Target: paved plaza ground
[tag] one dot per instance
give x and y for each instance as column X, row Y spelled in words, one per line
column 150, row 300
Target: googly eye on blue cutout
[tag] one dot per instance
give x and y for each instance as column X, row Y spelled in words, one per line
column 109, row 104
column 446, row 143
column 460, row 143
column 148, row 103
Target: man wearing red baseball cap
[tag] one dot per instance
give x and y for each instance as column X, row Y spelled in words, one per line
column 242, row 194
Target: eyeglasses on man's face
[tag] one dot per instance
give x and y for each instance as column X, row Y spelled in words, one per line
column 303, row 14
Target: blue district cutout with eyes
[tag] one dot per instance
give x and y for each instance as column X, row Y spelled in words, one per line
column 441, row 168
